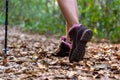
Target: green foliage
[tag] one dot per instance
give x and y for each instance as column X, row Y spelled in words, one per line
column 44, row 16
column 103, row 16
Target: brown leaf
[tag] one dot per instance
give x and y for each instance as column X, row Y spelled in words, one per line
column 5, row 61
column 41, row 66
column 9, row 70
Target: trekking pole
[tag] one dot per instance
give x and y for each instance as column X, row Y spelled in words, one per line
column 6, row 31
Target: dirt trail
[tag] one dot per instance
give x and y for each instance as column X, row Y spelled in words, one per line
column 30, row 58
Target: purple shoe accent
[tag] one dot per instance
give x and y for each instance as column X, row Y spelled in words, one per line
column 84, row 34
column 63, row 38
column 74, row 26
column 67, row 44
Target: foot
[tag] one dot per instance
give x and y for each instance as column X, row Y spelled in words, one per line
column 79, row 36
column 64, row 48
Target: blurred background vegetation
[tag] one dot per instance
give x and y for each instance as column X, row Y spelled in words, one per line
column 44, row 16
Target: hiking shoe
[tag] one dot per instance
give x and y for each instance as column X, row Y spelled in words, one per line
column 79, row 36
column 64, row 48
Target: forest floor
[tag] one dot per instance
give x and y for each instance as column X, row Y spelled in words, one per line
column 30, row 57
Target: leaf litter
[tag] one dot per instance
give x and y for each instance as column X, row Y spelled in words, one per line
column 30, row 57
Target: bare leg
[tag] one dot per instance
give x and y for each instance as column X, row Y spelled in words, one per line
column 67, row 29
column 70, row 12
column 79, row 34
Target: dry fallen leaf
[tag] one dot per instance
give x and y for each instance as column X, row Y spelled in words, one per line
column 41, row 66
column 30, row 57
column 9, row 70
column 5, row 61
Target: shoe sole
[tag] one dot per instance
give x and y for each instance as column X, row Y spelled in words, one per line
column 79, row 51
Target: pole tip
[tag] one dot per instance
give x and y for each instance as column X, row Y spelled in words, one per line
column 5, row 61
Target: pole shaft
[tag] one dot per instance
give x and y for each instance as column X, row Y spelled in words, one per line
column 6, row 24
